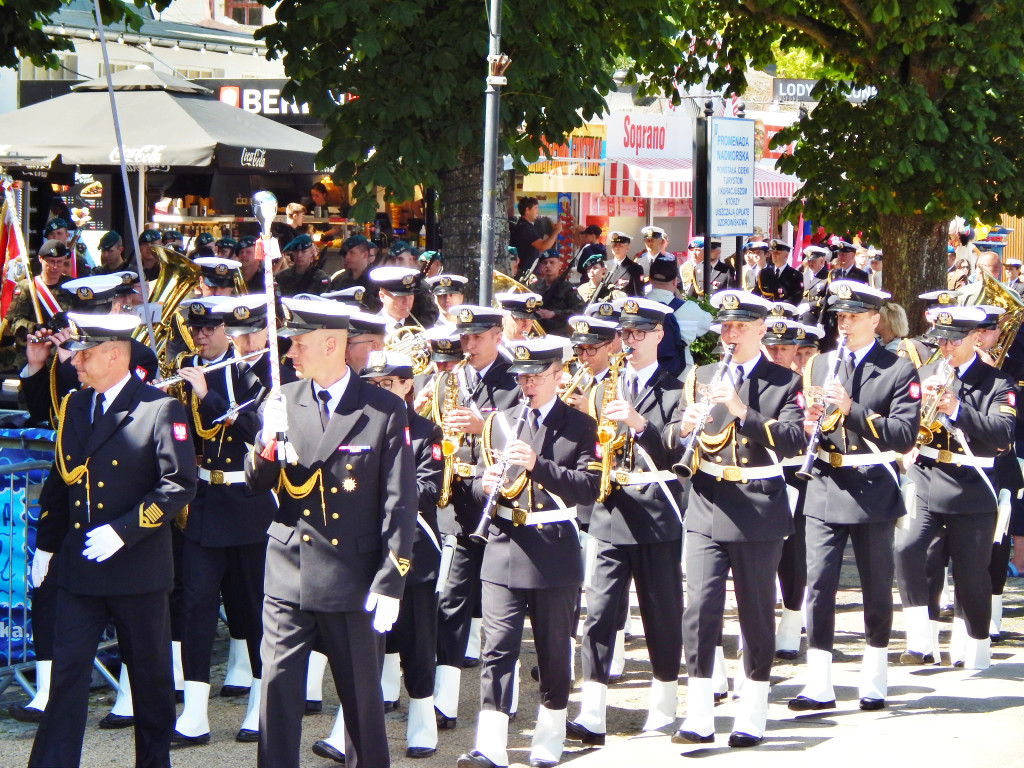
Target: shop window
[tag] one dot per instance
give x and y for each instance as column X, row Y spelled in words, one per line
column 115, row 67
column 247, row 12
column 68, row 70
column 196, row 74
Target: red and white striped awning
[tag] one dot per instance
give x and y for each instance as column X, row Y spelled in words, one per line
column 674, row 179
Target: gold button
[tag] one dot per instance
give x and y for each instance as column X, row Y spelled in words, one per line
column 540, row 487
column 113, row 463
column 335, row 516
column 540, row 506
column 68, row 457
column 515, row 504
column 305, row 513
column 334, row 542
column 229, row 438
column 348, row 467
column 99, row 484
column 743, row 460
column 227, row 461
column 209, row 461
column 305, row 537
column 334, row 489
column 99, row 506
column 78, row 503
column 77, row 526
column 718, row 459
column 744, row 441
column 853, row 447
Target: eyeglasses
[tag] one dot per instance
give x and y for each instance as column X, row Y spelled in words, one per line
column 652, row 237
column 533, row 378
column 588, row 349
column 387, row 384
column 198, row 330
column 949, row 342
column 635, row 334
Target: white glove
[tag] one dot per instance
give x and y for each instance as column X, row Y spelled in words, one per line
column 385, row 611
column 40, row 566
column 101, row 543
column 275, row 419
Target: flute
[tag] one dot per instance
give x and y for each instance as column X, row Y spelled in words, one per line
column 212, row 367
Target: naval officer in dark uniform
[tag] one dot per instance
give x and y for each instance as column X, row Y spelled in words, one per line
column 225, row 538
column 125, row 467
column 737, row 512
column 531, row 565
column 341, row 541
column 957, row 483
column 483, row 384
column 624, row 274
column 637, row 525
column 779, row 281
column 854, row 493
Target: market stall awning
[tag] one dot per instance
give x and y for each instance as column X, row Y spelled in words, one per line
column 660, row 178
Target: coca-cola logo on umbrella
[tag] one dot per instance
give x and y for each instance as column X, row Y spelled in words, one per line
column 148, row 154
column 253, row 158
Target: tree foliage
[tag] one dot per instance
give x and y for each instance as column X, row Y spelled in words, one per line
column 417, row 68
column 22, row 21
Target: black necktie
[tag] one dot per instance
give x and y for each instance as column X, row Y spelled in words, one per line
column 739, row 376
column 631, row 386
column 849, row 366
column 324, row 397
column 97, row 408
column 534, row 421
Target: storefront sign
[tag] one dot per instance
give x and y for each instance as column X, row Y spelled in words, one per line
column 633, row 135
column 796, row 89
column 576, row 165
column 731, row 176
column 253, row 158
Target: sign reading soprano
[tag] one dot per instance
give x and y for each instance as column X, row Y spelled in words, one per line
column 731, row 176
column 633, row 135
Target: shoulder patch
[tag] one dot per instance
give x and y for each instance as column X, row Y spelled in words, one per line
column 915, row 390
column 180, row 431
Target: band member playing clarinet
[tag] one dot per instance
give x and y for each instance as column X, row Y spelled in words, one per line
column 531, row 563
column 853, row 493
column 737, row 511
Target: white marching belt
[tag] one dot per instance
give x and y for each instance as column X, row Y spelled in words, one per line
column 851, row 460
column 643, row 478
column 948, row 457
column 217, row 477
column 739, row 474
column 540, row 518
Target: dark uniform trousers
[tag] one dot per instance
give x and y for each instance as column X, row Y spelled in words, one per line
column 414, row 636
column 460, row 595
column 792, row 571
column 344, row 528
column 739, row 525
column 224, row 543
column 536, row 570
column 958, row 500
column 639, row 536
column 859, row 504
column 131, row 587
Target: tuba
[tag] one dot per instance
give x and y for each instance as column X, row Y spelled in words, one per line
column 177, row 281
column 996, row 294
column 607, row 430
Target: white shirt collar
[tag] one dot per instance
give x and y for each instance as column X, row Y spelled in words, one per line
column 545, row 410
column 748, row 366
column 336, row 390
column 643, row 376
column 111, row 394
column 860, row 354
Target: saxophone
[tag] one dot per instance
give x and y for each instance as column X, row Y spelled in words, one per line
column 608, row 429
column 451, row 440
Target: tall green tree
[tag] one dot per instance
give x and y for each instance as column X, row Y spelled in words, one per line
column 942, row 136
column 22, row 21
column 417, row 69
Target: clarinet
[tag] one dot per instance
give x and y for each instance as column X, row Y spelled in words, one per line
column 480, row 534
column 684, row 467
column 804, row 473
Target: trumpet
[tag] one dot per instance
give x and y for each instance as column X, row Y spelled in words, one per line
column 804, row 473
column 684, row 467
column 578, row 379
column 212, row 367
column 931, row 419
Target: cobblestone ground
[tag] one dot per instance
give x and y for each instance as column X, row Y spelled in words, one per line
column 627, row 701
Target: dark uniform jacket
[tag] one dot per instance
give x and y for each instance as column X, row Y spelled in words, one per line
column 789, row 286
column 347, row 510
column 815, row 291
column 560, row 298
column 371, row 297
column 426, row 450
column 723, row 276
column 497, row 391
column 548, row 555
column 627, row 276
column 226, row 514
column 641, row 514
column 987, row 418
column 886, row 411
column 755, row 510
column 140, row 474
column 314, row 281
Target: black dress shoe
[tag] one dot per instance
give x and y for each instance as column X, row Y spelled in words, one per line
column 996, row 638
column 915, row 658
column 469, row 662
column 959, row 664
column 314, row 707
column 576, row 732
column 690, row 737
column 721, row 697
column 869, row 704
column 420, row 751
column 245, row 736
column 444, row 722
column 180, row 738
column 233, row 691
column 322, row 749
column 390, row 706
column 804, row 704
column 535, row 673
column 475, row 759
column 25, row 714
column 737, row 739
column 613, row 679
column 786, row 655
column 536, row 762
column 112, row 722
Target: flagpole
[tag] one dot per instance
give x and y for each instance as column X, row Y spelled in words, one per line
column 11, row 205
